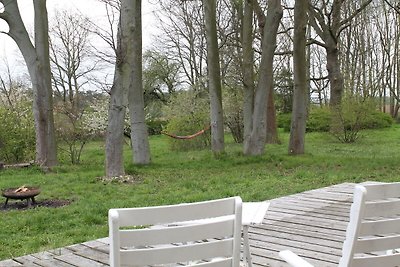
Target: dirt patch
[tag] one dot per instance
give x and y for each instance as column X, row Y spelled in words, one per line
column 22, row 205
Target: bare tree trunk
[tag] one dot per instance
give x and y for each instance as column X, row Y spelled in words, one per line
column 248, row 72
column 256, row 144
column 300, row 97
column 115, row 128
column 133, row 31
column 334, row 74
column 127, row 87
column 271, row 125
column 272, row 128
column 214, row 77
column 38, row 62
column 117, row 109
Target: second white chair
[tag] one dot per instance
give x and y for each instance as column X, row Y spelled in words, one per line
column 373, row 233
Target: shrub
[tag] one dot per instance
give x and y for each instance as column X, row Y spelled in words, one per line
column 188, row 125
column 319, row 120
column 71, row 132
column 17, row 134
column 155, row 127
column 188, row 113
column 354, row 114
column 233, row 113
column 376, row 120
column 283, row 121
column 352, row 117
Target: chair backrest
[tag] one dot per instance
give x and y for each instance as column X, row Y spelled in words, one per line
column 373, row 233
column 203, row 233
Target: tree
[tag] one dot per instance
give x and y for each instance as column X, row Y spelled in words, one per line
column 301, row 92
column 116, row 56
column 70, row 52
column 271, row 125
column 257, row 140
column 214, row 77
column 248, row 70
column 160, row 76
column 183, row 38
column 328, row 22
column 115, row 126
column 36, row 57
column 131, row 34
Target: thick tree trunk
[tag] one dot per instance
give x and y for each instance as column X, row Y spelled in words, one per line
column 46, row 148
column 127, row 89
column 272, row 128
column 256, row 144
column 301, row 92
column 139, row 132
column 214, row 77
column 38, row 62
column 248, row 73
column 115, row 128
column 334, row 75
column 332, row 56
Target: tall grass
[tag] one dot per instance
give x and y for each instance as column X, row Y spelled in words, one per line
column 176, row 177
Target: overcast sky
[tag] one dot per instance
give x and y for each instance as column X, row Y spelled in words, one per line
column 91, row 8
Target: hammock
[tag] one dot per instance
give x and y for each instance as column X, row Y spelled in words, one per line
column 186, row 137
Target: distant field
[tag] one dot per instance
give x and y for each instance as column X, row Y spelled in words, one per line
column 175, row 177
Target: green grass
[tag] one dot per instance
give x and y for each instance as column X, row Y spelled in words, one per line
column 176, row 177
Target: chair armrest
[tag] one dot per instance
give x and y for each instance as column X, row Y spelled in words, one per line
column 293, row 259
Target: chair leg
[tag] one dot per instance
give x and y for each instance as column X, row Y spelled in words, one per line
column 246, row 245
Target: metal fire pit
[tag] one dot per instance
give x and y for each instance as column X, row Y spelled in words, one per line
column 21, row 193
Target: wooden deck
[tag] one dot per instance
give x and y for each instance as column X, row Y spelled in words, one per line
column 311, row 223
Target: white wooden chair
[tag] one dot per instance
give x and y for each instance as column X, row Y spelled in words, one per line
column 373, row 233
column 163, row 235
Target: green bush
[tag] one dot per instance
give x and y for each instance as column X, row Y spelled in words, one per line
column 17, row 135
column 233, row 113
column 319, row 119
column 356, row 113
column 72, row 130
column 376, row 120
column 188, row 125
column 155, row 127
column 187, row 113
column 283, row 121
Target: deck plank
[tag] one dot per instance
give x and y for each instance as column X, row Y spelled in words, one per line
column 312, row 224
column 9, row 263
column 77, row 260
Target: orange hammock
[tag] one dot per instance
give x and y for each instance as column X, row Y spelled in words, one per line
column 186, row 137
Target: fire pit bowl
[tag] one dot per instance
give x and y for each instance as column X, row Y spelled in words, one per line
column 21, row 193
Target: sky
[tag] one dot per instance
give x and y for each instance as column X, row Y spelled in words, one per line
column 90, row 8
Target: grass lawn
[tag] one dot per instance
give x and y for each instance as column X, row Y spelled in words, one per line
column 176, row 177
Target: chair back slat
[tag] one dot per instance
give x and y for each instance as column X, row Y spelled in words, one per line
column 382, row 208
column 178, row 254
column 174, row 213
column 214, row 263
column 383, row 191
column 377, row 261
column 178, row 234
column 377, row 243
column 373, row 231
column 204, row 233
column 380, row 227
